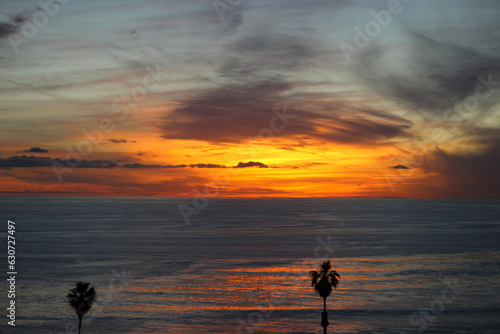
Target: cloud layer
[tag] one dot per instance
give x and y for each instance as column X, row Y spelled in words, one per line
column 32, row 161
column 270, row 75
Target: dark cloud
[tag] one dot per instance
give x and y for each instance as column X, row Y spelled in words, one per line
column 32, row 161
column 434, row 75
column 207, row 166
column 121, row 141
column 25, row 161
column 12, row 26
column 137, row 165
column 226, row 114
column 252, row 81
column 38, row 192
column 251, row 164
column 400, row 167
column 233, row 113
column 35, row 150
column 466, row 175
column 146, row 154
column 92, row 163
column 200, row 165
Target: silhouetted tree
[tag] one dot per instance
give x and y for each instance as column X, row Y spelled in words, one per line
column 323, row 282
column 81, row 298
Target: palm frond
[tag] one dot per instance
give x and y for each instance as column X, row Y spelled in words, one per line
column 81, row 298
column 90, row 295
column 333, row 278
column 314, row 277
column 323, row 287
column 325, row 266
column 324, row 280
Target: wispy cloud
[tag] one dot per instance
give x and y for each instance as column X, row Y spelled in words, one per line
column 255, row 79
column 228, row 82
column 433, row 75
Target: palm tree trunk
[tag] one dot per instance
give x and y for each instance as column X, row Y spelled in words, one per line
column 79, row 325
column 324, row 321
column 324, row 316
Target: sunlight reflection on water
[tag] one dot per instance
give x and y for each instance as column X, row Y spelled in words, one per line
column 232, row 273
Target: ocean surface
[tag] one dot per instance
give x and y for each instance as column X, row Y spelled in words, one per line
column 241, row 265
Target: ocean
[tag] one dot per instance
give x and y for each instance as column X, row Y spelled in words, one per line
column 241, row 265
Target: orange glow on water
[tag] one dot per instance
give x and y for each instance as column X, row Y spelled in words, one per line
column 280, row 296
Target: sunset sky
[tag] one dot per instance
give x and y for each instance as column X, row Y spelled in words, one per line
column 247, row 98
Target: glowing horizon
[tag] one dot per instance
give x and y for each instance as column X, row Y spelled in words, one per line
column 331, row 99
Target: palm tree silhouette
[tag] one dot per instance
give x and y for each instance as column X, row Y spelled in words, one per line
column 81, row 298
column 323, row 282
